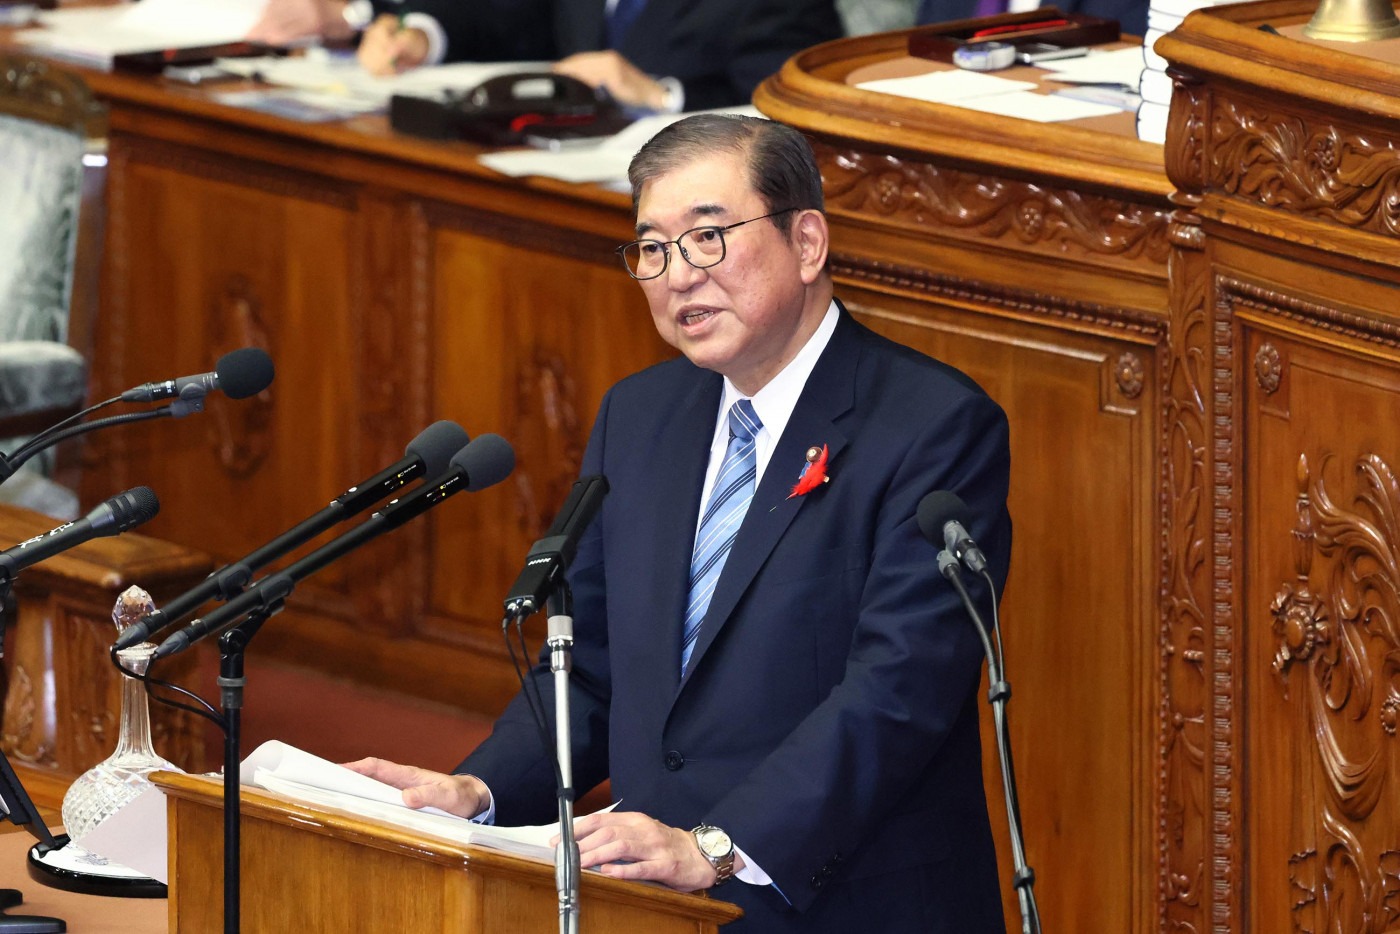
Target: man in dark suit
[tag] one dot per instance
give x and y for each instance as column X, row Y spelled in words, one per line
column 660, row 55
column 795, row 702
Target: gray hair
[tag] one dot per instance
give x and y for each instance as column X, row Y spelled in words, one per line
column 782, row 168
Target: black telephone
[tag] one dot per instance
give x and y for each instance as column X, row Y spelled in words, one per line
column 504, row 110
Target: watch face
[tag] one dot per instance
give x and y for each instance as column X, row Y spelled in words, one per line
column 714, row 842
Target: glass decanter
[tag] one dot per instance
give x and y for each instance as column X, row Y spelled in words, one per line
column 105, row 788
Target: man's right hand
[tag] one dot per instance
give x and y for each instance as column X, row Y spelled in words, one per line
column 463, row 795
column 387, row 48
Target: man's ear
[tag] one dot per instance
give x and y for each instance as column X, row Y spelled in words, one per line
column 812, row 238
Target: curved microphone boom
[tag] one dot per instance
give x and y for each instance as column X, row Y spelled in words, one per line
column 485, row 461
column 239, row 373
column 120, row 513
column 427, row 455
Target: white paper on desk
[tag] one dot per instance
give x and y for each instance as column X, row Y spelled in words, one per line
column 96, row 34
column 947, row 87
column 341, row 75
column 602, row 161
column 1042, row 108
column 280, row 761
column 1120, row 66
column 134, row 836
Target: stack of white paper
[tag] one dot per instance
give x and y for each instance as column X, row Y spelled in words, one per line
column 1156, row 88
column 93, row 35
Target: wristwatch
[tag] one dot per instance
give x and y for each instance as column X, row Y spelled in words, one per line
column 716, row 846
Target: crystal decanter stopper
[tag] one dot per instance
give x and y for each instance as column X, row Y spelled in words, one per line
column 108, row 786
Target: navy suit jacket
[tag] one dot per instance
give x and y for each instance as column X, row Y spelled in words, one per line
column 828, row 719
column 719, row 49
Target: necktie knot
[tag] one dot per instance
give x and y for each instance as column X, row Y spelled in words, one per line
column 743, row 421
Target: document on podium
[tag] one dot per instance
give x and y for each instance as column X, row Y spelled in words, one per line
column 293, row 773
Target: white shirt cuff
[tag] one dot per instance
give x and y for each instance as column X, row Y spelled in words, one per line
column 487, row 816
column 751, row 873
column 675, row 95
column 437, row 39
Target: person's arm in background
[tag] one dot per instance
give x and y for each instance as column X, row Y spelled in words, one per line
column 430, row 32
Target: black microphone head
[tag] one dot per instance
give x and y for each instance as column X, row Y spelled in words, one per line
column 936, row 510
column 486, row 461
column 136, row 506
column 244, row 372
column 436, row 444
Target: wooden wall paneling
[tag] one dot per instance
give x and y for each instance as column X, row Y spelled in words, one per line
column 1284, row 154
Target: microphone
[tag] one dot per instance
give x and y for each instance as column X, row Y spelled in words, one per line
column 239, row 373
column 485, row 461
column 118, row 514
column 938, row 520
column 426, row 456
column 549, row 557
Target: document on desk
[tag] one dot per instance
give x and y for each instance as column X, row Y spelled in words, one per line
column 600, row 161
column 94, row 35
column 340, row 76
column 947, row 87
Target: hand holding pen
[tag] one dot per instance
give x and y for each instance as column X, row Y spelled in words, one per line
column 387, row 48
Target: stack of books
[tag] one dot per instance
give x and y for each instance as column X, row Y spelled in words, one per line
column 1155, row 87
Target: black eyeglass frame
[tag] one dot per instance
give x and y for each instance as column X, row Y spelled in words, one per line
column 665, row 244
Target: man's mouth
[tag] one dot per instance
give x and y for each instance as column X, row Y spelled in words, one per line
column 695, row 316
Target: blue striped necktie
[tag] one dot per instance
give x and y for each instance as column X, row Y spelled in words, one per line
column 729, row 500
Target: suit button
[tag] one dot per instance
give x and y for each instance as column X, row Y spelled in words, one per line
column 818, row 881
column 674, row 760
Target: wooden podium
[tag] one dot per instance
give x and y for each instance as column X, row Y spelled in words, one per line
column 310, row 869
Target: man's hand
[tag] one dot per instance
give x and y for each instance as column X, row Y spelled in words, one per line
column 283, row 21
column 463, row 795
column 633, row 846
column 624, row 81
column 388, row 49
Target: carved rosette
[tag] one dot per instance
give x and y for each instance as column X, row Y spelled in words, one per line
column 1268, row 368
column 1060, row 220
column 1128, row 373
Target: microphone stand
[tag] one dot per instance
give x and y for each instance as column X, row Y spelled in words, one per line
column 10, row 464
column 233, row 646
column 566, row 855
column 998, row 693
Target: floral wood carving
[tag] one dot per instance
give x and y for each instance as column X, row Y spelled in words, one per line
column 241, row 435
column 1313, row 170
column 1268, row 368
column 1065, row 220
column 1184, row 153
column 1344, row 889
column 1337, row 630
column 1183, row 786
column 1128, row 372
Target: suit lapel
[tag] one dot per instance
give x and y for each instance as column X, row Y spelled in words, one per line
column 829, row 393
column 672, row 504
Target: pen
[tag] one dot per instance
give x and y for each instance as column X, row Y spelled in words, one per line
column 1018, row 27
column 1050, row 55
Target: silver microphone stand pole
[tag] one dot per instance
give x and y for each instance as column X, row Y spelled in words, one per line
column 566, row 857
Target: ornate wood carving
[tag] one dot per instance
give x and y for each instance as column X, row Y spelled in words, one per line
column 1128, row 373
column 1268, row 368
column 1024, row 212
column 1186, row 594
column 34, row 90
column 1187, row 130
column 1304, row 165
column 243, row 173
column 240, row 434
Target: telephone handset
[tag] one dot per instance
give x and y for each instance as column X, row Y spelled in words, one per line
column 505, row 109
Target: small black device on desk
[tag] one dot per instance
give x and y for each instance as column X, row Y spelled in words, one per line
column 507, row 109
column 155, row 61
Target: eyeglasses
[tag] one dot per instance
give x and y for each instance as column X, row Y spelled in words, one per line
column 702, row 247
